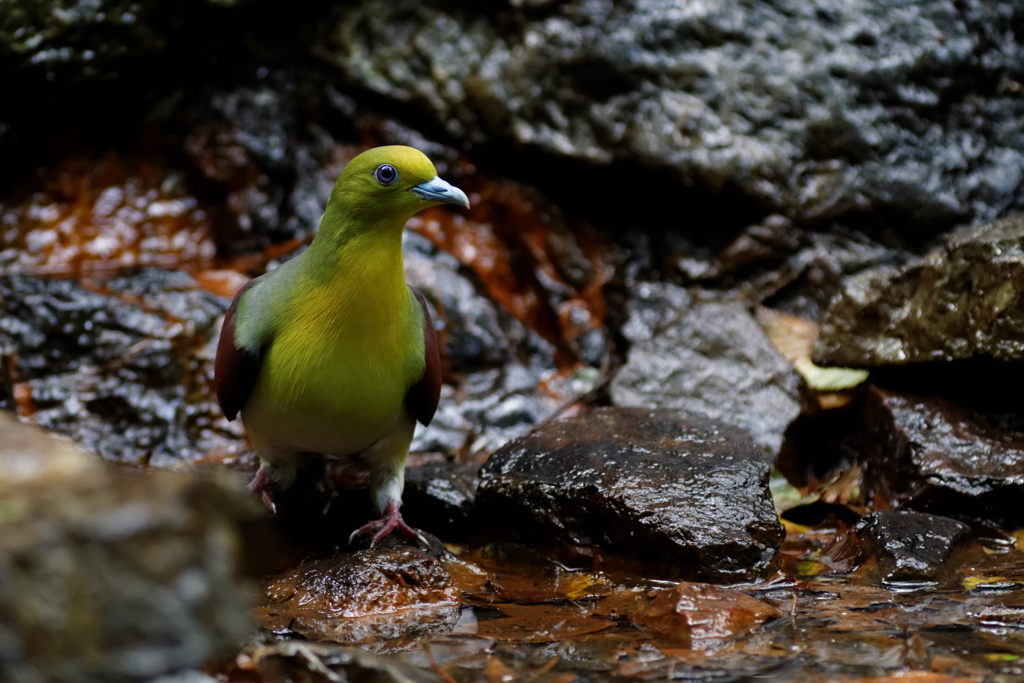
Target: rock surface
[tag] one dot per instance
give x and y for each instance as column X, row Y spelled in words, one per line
column 818, row 111
column 714, row 361
column 113, row 577
column 653, row 306
column 912, row 546
column 933, row 455
column 659, row 486
column 439, row 497
column 961, row 301
column 124, row 368
column 385, row 592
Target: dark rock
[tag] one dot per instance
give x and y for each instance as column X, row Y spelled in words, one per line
column 714, row 361
column 265, row 156
column 108, row 576
column 385, row 592
column 439, row 497
column 656, row 486
column 912, row 547
column 82, row 40
column 931, row 454
column 812, row 271
column 961, row 301
column 125, row 370
column 817, row 114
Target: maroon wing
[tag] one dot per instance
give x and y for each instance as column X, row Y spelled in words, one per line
column 235, row 370
column 422, row 398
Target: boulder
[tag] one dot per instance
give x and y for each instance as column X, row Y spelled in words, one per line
column 815, row 112
column 931, row 454
column 714, row 361
column 114, row 576
column 964, row 300
column 912, row 547
column 659, row 486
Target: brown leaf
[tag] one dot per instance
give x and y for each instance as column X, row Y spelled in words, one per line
column 692, row 612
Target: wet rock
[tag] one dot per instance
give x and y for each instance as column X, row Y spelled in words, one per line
column 932, row 454
column 82, row 40
column 265, row 156
column 292, row 660
column 469, row 324
column 698, row 615
column 108, row 576
column 384, row 592
column 817, row 113
column 912, row 547
column 439, row 496
column 491, row 407
column 961, row 301
column 658, row 486
column 123, row 367
column 714, row 361
column 653, row 306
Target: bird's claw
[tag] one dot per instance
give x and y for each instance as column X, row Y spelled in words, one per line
column 391, row 521
column 262, row 484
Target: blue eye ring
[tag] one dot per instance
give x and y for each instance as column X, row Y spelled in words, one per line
column 386, row 174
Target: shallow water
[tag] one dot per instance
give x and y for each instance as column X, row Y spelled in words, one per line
column 524, row 618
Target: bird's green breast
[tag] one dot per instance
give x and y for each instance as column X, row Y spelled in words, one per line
column 345, row 350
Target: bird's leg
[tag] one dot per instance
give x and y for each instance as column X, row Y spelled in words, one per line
column 391, row 521
column 263, row 485
column 385, row 459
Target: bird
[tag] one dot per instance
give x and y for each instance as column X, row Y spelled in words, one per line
column 332, row 352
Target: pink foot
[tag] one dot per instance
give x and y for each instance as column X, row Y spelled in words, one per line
column 261, row 484
column 391, row 521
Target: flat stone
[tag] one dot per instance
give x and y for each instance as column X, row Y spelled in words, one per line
column 966, row 299
column 385, row 592
column 114, row 576
column 932, row 454
column 715, row 361
column 912, row 546
column 658, row 486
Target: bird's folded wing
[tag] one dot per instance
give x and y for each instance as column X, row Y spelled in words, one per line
column 421, row 400
column 235, row 370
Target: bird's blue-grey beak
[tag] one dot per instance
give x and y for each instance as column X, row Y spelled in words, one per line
column 437, row 190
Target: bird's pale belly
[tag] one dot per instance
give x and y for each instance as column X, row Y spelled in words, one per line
column 325, row 400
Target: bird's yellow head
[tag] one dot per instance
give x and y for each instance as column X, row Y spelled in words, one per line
column 385, row 186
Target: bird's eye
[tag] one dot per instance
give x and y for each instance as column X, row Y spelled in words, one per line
column 386, row 174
